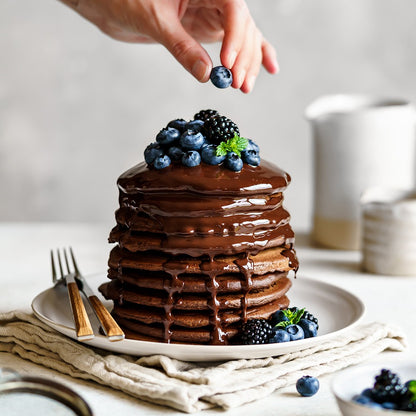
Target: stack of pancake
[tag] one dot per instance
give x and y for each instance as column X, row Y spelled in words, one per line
column 199, row 251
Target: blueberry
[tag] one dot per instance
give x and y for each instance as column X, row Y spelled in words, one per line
column 161, row 162
column 194, row 125
column 280, row 335
column 389, row 405
column 209, row 155
column 175, row 153
column 295, row 332
column 192, row 140
column 191, row 158
column 151, row 152
column 362, row 399
column 206, row 144
column 234, row 162
column 309, row 327
column 221, row 77
column 167, row 136
column 277, row 317
column 307, row 386
column 251, row 157
column 374, row 405
column 178, row 124
column 252, row 146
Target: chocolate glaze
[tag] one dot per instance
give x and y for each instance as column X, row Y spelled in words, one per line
column 209, row 219
column 264, row 179
column 204, row 210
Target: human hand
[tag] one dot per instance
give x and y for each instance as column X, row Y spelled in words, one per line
column 181, row 26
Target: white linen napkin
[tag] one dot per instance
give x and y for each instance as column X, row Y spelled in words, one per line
column 190, row 387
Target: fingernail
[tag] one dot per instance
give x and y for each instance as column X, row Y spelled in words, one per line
column 276, row 67
column 250, row 82
column 200, row 70
column 233, row 56
column 240, row 79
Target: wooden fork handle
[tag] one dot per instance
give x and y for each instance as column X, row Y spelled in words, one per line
column 109, row 325
column 82, row 323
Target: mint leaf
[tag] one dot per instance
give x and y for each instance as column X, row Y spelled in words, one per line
column 293, row 317
column 221, row 149
column 297, row 315
column 236, row 145
column 240, row 142
column 282, row 324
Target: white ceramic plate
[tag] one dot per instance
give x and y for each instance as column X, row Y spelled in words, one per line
column 336, row 309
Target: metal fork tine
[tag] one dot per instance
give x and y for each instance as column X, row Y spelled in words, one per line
column 60, row 264
column 54, row 277
column 66, row 261
column 74, row 262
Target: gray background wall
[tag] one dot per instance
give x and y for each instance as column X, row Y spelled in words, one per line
column 78, row 108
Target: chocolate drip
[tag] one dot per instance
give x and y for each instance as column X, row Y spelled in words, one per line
column 120, row 278
column 291, row 256
column 246, row 267
column 172, row 286
column 212, row 269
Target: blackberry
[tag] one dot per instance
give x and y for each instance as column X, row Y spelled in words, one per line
column 408, row 406
column 204, row 115
column 220, row 128
column 256, row 331
column 388, row 388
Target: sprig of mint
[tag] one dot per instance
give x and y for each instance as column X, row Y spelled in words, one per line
column 412, row 388
column 236, row 145
column 293, row 317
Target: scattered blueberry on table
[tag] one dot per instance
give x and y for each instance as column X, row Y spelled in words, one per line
column 307, row 386
column 388, row 392
column 212, row 139
column 221, row 77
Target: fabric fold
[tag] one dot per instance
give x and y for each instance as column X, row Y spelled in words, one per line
column 191, row 387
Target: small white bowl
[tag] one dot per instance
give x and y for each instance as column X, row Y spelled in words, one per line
column 354, row 380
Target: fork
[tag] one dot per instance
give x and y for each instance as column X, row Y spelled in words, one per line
column 108, row 324
column 82, row 323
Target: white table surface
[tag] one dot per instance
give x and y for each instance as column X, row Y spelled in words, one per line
column 25, row 271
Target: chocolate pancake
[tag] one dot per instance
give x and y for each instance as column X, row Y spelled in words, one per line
column 199, row 251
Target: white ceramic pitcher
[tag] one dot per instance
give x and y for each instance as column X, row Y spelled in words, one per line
column 359, row 142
